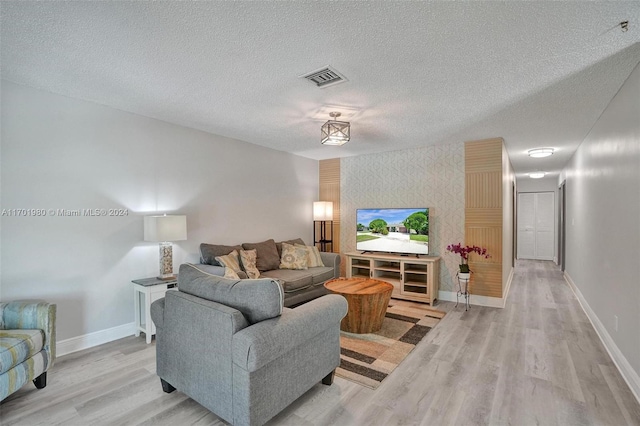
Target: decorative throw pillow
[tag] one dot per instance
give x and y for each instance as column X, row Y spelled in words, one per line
column 248, row 259
column 313, row 256
column 292, row 242
column 293, row 257
column 231, row 274
column 267, row 254
column 230, row 261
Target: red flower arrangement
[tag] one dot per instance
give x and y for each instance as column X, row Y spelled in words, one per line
column 464, row 252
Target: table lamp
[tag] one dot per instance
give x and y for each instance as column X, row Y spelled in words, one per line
column 164, row 229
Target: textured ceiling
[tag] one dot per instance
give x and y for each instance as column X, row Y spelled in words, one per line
column 420, row 73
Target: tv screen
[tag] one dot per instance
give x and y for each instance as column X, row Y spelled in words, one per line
column 403, row 231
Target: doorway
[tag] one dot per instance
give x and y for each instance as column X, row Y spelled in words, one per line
column 536, row 235
column 562, row 212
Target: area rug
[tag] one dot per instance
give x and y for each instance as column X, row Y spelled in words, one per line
column 368, row 359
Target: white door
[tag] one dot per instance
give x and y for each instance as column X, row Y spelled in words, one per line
column 526, row 226
column 536, row 225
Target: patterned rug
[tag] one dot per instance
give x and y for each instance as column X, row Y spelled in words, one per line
column 368, row 359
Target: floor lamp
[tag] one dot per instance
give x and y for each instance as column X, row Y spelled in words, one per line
column 323, row 213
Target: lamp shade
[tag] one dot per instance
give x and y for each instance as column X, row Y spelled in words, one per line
column 165, row 228
column 323, row 210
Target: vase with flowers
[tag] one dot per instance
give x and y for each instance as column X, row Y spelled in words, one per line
column 464, row 252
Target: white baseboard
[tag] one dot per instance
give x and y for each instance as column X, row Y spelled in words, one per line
column 628, row 373
column 507, row 287
column 90, row 340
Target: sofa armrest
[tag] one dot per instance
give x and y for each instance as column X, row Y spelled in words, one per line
column 157, row 313
column 331, row 259
column 34, row 316
column 263, row 342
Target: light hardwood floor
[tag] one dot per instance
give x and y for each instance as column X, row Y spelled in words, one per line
column 536, row 362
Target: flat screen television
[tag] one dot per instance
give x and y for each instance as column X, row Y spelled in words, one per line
column 404, row 231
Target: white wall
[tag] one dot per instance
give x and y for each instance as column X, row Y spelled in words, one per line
column 603, row 221
column 508, row 181
column 431, row 177
column 62, row 153
column 546, row 184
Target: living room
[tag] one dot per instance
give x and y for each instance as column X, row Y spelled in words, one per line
column 123, row 107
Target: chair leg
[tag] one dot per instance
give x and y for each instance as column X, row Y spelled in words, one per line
column 166, row 386
column 41, row 380
column 328, row 379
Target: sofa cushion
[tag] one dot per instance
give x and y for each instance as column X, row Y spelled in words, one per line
column 230, row 261
column 292, row 242
column 313, row 255
column 267, row 254
column 258, row 300
column 321, row 274
column 293, row 279
column 249, row 259
column 208, row 252
column 16, row 346
column 293, row 257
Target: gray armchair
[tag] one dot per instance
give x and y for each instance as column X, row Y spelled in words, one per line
column 231, row 346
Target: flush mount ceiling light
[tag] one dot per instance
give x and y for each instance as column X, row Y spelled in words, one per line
column 336, row 132
column 536, row 175
column 540, row 152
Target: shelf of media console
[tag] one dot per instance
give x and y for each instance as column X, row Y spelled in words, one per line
column 413, row 277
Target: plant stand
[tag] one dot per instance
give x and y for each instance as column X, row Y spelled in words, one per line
column 463, row 290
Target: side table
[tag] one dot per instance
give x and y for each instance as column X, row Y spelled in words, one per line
column 149, row 290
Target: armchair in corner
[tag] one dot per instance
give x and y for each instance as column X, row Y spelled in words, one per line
column 27, row 344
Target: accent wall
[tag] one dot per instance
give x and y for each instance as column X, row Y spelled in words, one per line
column 430, row 177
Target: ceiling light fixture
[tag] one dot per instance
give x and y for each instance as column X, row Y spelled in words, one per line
column 540, row 152
column 536, row 175
column 336, row 132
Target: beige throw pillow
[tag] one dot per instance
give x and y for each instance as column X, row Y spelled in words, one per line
column 248, row 259
column 230, row 261
column 293, row 257
column 231, row 274
column 313, row 256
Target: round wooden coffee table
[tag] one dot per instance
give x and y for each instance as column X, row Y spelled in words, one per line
column 368, row 300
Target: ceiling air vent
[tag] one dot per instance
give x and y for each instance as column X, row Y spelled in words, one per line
column 325, row 77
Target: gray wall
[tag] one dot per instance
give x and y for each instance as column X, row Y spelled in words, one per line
column 603, row 213
column 431, row 177
column 62, row 153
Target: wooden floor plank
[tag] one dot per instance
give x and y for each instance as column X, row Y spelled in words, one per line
column 537, row 361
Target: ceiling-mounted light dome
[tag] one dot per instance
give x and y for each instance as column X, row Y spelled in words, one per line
column 536, row 175
column 540, row 152
column 336, row 132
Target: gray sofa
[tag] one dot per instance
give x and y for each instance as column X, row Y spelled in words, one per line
column 299, row 286
column 231, row 345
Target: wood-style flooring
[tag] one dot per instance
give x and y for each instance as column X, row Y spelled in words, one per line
column 536, row 362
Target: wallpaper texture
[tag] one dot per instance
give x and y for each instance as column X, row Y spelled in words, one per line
column 430, row 177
